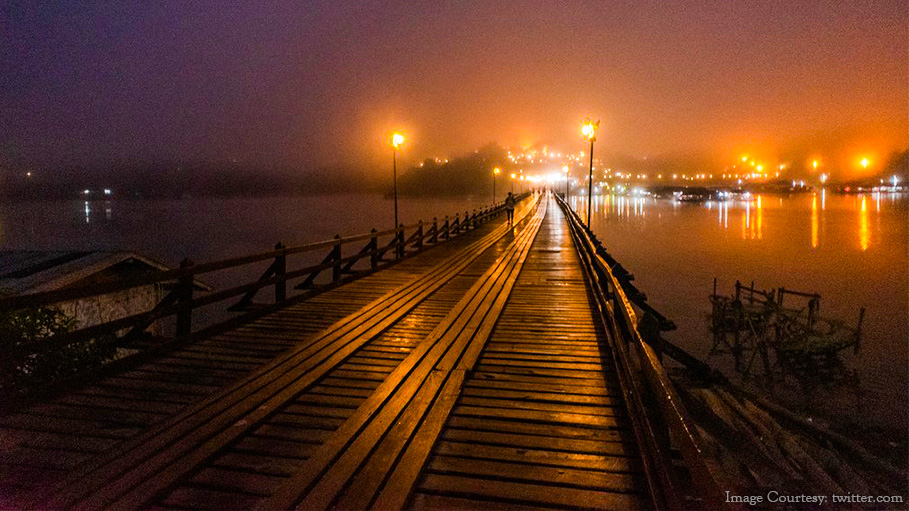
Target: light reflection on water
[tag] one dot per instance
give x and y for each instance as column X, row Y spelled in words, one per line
column 852, row 249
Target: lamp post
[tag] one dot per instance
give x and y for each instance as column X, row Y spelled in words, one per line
column 513, row 175
column 567, row 180
column 589, row 131
column 495, row 172
column 397, row 140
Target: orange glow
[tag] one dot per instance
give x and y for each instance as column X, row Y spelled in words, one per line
column 589, row 129
column 497, row 171
column 864, row 231
column 397, row 139
column 814, row 222
column 864, row 163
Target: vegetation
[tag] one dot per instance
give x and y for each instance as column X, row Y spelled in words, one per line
column 465, row 175
column 26, row 366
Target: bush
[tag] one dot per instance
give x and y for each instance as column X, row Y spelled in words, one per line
column 27, row 365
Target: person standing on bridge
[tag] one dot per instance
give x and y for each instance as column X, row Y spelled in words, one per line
column 509, row 207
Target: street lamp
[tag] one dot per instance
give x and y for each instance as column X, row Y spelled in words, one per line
column 567, row 180
column 589, row 131
column 397, row 139
column 495, row 172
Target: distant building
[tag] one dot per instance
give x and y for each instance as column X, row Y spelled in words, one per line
column 29, row 271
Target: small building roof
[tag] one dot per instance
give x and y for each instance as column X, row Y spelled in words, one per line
column 35, row 271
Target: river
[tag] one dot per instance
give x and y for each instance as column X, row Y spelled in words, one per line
column 851, row 249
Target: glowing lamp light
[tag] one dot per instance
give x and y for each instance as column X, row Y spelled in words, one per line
column 497, row 171
column 823, row 178
column 589, row 129
column 513, row 175
column 814, row 164
column 397, row 139
column 760, row 168
column 864, row 163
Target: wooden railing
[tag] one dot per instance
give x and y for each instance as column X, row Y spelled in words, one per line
column 660, row 421
column 382, row 249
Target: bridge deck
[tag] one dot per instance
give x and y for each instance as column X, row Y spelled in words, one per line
column 472, row 375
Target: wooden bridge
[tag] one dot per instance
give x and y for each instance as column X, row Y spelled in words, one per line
column 470, row 365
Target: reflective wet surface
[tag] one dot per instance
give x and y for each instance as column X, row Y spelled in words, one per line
column 852, row 249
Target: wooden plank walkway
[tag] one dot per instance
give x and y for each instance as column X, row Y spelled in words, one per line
column 43, row 444
column 470, row 376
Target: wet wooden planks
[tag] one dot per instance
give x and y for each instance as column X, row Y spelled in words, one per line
column 235, row 418
column 45, row 442
column 250, row 470
column 540, row 423
column 389, row 435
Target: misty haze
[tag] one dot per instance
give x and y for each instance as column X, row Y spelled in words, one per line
column 470, row 255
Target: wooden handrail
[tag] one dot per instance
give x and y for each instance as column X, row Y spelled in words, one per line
column 659, row 418
column 74, row 293
column 180, row 302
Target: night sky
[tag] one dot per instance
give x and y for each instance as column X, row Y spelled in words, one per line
column 314, row 83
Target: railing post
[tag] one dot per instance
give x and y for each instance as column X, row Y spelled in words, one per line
column 419, row 239
column 374, row 254
column 399, row 245
column 336, row 257
column 280, row 270
column 474, row 218
column 456, row 225
column 446, row 228
column 435, row 231
column 649, row 328
column 185, row 298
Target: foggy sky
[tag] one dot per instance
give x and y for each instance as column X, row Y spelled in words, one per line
column 313, row 83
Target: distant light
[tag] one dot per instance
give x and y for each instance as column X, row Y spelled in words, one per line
column 107, row 191
column 760, row 168
column 895, row 181
column 589, row 129
column 397, row 139
column 864, row 163
column 497, row 171
column 744, row 158
column 513, row 175
column 86, row 192
column 28, row 174
column 565, row 169
column 823, row 178
column 814, row 164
